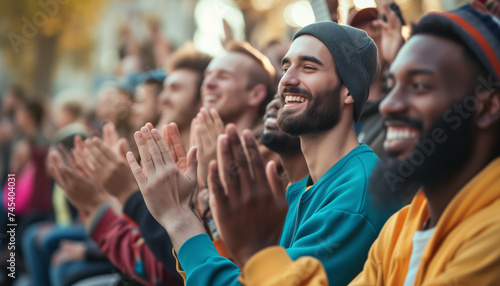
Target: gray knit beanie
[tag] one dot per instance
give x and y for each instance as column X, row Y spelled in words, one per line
column 354, row 54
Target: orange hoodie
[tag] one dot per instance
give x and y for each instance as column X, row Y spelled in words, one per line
column 464, row 249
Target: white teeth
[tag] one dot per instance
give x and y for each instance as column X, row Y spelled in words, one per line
column 401, row 133
column 290, row 98
column 209, row 98
column 271, row 120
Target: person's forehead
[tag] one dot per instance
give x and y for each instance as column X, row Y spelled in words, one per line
column 230, row 62
column 432, row 53
column 307, row 45
column 181, row 77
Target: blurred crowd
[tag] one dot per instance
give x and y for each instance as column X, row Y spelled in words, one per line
column 345, row 155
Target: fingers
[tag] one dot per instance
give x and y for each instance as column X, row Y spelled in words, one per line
column 109, row 134
column 77, row 166
column 192, row 164
column 164, row 150
column 175, row 138
column 79, row 161
column 380, row 24
column 243, row 171
column 153, row 147
column 202, row 130
column 495, row 9
column 275, row 182
column 209, row 124
column 224, row 159
column 479, row 6
column 65, row 154
column 92, row 154
column 146, row 158
column 255, row 159
column 215, row 188
column 136, row 170
column 149, row 126
column 192, row 133
column 123, row 147
column 102, row 150
column 392, row 18
column 168, row 141
column 230, row 165
column 198, row 142
column 219, row 124
column 53, row 159
column 78, row 142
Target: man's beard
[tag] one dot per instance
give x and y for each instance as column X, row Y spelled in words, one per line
column 280, row 142
column 431, row 161
column 322, row 112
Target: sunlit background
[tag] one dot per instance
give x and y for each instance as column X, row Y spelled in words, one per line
column 50, row 45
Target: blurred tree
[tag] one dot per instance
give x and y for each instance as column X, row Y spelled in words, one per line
column 36, row 33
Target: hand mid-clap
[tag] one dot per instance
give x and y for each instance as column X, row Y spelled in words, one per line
column 108, row 165
column 205, row 129
column 84, row 194
column 168, row 190
column 247, row 200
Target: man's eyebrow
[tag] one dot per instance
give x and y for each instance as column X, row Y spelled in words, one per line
column 421, row 71
column 285, row 60
column 310, row 59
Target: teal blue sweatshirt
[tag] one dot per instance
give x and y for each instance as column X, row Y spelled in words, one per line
column 332, row 220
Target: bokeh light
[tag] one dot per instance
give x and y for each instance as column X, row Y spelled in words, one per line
column 299, row 14
column 362, row 4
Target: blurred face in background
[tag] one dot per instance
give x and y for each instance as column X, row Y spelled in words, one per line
column 113, row 106
column 22, row 118
column 179, row 101
column 63, row 116
column 225, row 86
column 144, row 108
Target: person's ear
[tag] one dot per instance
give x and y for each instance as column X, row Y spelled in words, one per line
column 349, row 100
column 257, row 95
column 346, row 95
column 488, row 109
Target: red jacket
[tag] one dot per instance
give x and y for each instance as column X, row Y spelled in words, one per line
column 122, row 243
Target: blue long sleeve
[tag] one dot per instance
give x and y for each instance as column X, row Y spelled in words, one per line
column 204, row 266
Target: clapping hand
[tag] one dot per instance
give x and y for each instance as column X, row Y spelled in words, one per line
column 168, row 189
column 246, row 198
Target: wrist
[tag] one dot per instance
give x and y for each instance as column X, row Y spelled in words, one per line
column 93, row 205
column 125, row 195
column 182, row 227
column 245, row 253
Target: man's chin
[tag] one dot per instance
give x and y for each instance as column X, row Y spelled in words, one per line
column 397, row 155
column 393, row 181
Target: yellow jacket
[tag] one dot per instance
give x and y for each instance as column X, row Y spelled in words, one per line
column 464, row 249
